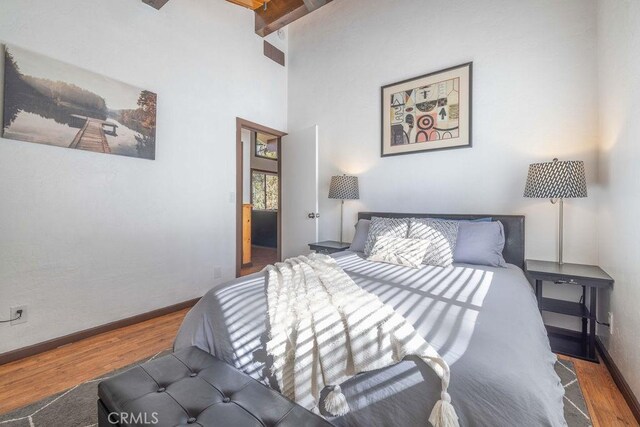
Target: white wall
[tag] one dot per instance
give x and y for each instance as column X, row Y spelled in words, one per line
column 533, row 100
column 88, row 238
column 619, row 210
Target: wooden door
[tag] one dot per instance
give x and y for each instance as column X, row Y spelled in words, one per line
column 246, row 234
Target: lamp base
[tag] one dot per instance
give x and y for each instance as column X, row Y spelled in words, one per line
column 341, row 220
column 561, row 231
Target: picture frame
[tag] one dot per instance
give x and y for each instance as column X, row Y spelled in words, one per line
column 265, row 148
column 427, row 113
column 50, row 102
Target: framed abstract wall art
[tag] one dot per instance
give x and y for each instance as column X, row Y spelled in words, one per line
column 49, row 102
column 430, row 112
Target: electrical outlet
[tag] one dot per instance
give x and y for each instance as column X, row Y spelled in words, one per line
column 14, row 314
column 217, row 272
column 610, row 322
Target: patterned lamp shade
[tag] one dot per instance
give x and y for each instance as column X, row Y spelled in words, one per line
column 344, row 187
column 556, row 179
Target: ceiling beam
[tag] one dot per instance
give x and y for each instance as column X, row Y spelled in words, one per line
column 314, row 4
column 250, row 4
column 281, row 13
column 155, row 3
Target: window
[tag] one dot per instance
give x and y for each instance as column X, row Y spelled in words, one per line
column 264, row 190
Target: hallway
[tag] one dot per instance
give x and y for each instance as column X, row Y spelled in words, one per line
column 261, row 257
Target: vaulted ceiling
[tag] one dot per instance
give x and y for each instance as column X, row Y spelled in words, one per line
column 270, row 15
column 280, row 13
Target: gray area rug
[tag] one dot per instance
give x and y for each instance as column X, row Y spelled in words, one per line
column 76, row 407
column 575, row 408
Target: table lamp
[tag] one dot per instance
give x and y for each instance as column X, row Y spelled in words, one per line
column 343, row 187
column 557, row 180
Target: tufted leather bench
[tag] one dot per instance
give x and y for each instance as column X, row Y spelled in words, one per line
column 193, row 388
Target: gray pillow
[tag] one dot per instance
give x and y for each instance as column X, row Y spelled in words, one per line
column 391, row 227
column 442, row 236
column 480, row 243
column 360, row 238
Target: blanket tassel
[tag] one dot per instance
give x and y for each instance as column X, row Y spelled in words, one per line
column 443, row 413
column 335, row 403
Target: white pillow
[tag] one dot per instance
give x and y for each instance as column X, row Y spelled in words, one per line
column 391, row 227
column 442, row 236
column 399, row 251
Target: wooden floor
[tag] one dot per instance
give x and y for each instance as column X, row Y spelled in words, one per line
column 606, row 404
column 31, row 379
column 260, row 258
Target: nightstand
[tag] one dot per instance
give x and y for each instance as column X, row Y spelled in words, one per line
column 329, row 246
column 589, row 277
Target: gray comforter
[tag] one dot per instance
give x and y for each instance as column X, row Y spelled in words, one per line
column 484, row 321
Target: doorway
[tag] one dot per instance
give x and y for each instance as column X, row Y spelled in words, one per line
column 258, row 197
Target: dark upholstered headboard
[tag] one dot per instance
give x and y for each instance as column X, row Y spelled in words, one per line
column 513, row 228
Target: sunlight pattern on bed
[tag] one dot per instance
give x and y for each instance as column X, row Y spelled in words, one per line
column 484, row 322
column 450, row 298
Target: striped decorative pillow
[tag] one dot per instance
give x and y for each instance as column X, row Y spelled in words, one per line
column 442, row 236
column 399, row 251
column 390, row 227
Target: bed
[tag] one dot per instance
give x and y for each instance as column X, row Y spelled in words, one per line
column 483, row 321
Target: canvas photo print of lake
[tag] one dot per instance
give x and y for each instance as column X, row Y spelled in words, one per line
column 50, row 102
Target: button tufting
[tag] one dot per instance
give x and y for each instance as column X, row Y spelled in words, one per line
column 214, row 397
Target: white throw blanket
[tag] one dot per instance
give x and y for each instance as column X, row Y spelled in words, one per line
column 324, row 329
